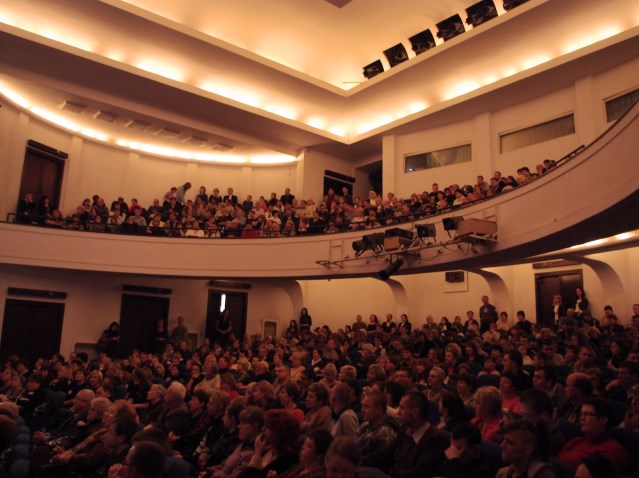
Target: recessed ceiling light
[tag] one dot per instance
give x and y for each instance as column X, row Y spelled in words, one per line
column 221, row 147
column 137, row 125
column 73, row 107
column 168, row 133
column 106, row 116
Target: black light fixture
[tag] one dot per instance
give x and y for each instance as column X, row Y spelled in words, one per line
column 373, row 242
column 450, row 28
column 422, row 42
column 450, row 223
column 480, row 12
column 510, row 4
column 425, row 230
column 398, row 232
column 391, row 269
column 373, row 69
column 396, row 54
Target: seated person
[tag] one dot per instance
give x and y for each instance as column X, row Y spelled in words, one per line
column 523, row 447
column 595, row 425
column 464, row 456
column 420, row 447
column 376, row 436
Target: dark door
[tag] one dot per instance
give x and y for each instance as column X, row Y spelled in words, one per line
column 42, row 176
column 138, row 318
column 235, row 303
column 31, row 329
column 547, row 285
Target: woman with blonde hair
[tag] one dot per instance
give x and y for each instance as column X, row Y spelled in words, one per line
column 330, row 377
column 488, row 404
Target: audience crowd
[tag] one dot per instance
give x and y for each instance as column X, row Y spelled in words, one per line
column 216, row 216
column 473, row 397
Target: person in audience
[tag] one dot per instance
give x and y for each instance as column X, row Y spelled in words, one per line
column 420, row 447
column 342, row 458
column 488, row 408
column 376, row 435
column 524, row 447
column 276, row 448
column 595, row 425
column 345, row 421
column 319, row 413
column 578, row 389
column 537, row 407
column 312, row 456
column 251, row 422
column 464, row 458
column 452, row 411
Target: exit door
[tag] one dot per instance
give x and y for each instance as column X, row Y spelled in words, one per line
column 547, row 285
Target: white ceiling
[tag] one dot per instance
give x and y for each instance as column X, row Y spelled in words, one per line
column 312, row 37
column 267, row 76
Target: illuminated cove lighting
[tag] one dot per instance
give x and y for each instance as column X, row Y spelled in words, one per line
column 154, row 149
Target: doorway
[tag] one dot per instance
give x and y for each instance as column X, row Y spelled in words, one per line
column 42, row 175
column 139, row 315
column 22, row 321
column 551, row 283
column 235, row 303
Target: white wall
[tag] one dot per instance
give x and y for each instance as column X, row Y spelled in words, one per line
column 585, row 98
column 94, row 300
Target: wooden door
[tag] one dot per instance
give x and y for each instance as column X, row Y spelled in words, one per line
column 31, row 329
column 139, row 315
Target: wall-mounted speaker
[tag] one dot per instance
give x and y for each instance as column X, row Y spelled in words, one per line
column 455, row 276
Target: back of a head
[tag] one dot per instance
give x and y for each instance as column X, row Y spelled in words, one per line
column 148, row 458
column 345, row 448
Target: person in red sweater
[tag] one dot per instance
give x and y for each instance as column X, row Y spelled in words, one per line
column 597, row 439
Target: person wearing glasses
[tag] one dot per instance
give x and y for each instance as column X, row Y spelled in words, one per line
column 595, row 425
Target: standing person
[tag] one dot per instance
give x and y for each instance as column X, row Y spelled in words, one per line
column 487, row 314
column 223, row 327
column 180, row 193
column 581, row 303
column 305, row 320
column 179, row 332
column 558, row 309
column 109, row 340
column 159, row 338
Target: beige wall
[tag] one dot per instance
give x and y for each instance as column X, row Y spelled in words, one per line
column 94, row 298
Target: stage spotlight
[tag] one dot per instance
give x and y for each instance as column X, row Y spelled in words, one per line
column 359, row 247
column 373, row 69
column 391, row 269
column 374, row 242
column 425, row 230
column 422, row 42
column 396, row 55
column 450, row 223
column 450, row 28
column 401, row 233
column 480, row 12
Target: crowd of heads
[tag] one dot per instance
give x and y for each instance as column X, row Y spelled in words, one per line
column 544, row 394
column 215, row 215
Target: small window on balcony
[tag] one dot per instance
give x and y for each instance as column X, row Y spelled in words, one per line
column 539, row 133
column 436, row 159
column 617, row 107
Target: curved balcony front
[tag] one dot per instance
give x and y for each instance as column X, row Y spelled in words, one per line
column 593, row 195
